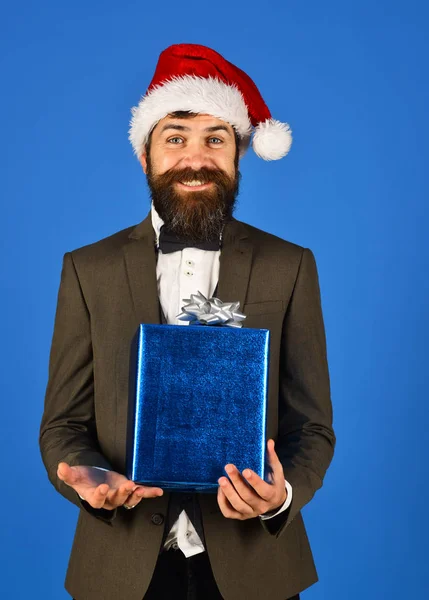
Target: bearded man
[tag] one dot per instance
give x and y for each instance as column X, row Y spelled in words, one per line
column 248, row 541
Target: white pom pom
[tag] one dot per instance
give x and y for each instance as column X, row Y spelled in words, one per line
column 272, row 139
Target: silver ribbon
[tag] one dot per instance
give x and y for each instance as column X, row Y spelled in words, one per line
column 199, row 310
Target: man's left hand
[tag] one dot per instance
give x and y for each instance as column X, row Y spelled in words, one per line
column 239, row 501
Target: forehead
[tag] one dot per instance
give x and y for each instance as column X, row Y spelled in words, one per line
column 197, row 123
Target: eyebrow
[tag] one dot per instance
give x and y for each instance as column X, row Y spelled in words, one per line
column 177, row 127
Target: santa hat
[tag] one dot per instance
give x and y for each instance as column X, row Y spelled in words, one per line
column 194, row 78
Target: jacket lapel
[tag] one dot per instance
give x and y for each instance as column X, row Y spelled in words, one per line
column 235, row 263
column 140, row 260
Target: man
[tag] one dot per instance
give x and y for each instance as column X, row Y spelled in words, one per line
column 247, row 542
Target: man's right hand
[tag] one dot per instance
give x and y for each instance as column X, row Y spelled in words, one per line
column 104, row 489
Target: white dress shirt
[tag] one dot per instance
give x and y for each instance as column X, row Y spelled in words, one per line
column 180, row 274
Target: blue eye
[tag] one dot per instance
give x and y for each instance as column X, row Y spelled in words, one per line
column 175, row 138
column 215, row 138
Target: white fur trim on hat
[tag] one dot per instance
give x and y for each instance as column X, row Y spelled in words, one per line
column 272, row 139
column 191, row 93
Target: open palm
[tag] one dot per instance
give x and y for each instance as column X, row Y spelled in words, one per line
column 104, row 489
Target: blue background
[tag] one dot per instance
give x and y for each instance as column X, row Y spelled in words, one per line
column 351, row 79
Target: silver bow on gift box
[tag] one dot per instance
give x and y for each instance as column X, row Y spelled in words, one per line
column 199, row 310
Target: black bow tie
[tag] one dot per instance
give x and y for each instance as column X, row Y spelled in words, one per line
column 170, row 242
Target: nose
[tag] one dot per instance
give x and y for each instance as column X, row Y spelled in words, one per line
column 196, row 156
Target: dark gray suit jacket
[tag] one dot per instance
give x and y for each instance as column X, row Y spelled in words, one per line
column 106, row 290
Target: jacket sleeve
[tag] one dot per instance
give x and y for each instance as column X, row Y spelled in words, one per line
column 68, row 430
column 306, row 440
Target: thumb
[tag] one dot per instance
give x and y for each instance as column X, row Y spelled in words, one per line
column 66, row 473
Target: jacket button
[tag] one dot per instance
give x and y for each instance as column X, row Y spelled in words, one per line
column 157, row 519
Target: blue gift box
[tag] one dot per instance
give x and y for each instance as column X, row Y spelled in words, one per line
column 197, row 402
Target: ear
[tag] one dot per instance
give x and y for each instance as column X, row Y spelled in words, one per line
column 143, row 161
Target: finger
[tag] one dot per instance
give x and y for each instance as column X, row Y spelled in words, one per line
column 106, row 497
column 132, row 500
column 117, row 497
column 226, row 508
column 235, row 500
column 266, row 491
column 143, row 492
column 274, row 461
column 246, row 492
column 97, row 497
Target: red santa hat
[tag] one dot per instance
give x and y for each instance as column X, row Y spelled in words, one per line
column 190, row 77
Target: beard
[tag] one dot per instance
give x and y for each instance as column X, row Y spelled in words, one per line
column 196, row 216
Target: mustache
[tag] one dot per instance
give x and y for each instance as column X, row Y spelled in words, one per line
column 204, row 175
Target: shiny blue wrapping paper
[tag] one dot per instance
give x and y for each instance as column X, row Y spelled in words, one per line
column 197, row 402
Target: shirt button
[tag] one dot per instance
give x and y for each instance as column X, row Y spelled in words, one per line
column 175, row 545
column 188, row 533
column 188, row 273
column 157, row 519
column 190, row 263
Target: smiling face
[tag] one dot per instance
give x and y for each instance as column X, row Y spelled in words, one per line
column 191, row 163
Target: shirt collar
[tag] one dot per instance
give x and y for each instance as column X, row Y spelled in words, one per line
column 157, row 223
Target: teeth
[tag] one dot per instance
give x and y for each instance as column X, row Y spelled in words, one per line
column 192, row 183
